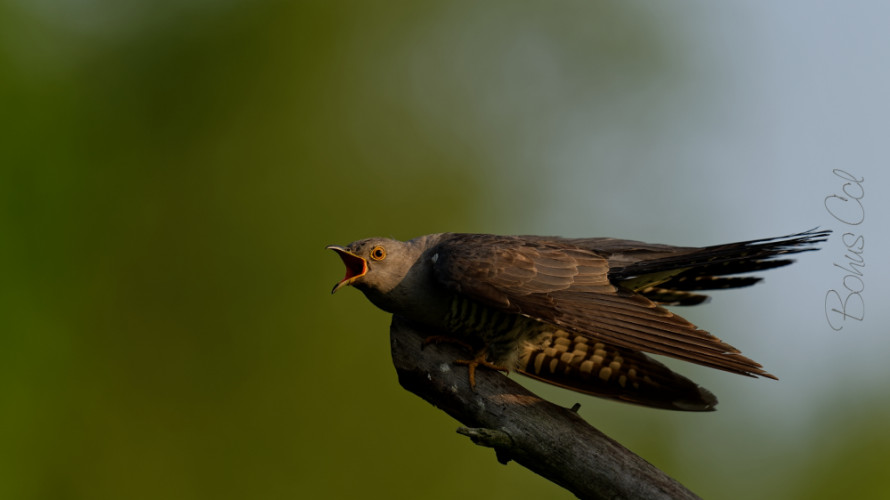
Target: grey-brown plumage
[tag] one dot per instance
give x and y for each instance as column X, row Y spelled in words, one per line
column 578, row 313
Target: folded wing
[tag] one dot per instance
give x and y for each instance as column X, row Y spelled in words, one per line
column 573, row 285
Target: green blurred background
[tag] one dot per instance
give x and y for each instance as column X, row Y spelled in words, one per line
column 171, row 171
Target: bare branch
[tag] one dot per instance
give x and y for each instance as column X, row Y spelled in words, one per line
column 548, row 439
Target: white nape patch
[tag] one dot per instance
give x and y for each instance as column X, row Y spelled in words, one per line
column 435, row 257
column 453, row 389
column 429, row 376
column 445, row 368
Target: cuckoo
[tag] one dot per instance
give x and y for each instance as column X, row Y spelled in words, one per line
column 579, row 313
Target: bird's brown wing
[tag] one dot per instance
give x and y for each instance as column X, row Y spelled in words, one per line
column 555, row 282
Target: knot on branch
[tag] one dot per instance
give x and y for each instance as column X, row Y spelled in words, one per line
column 492, row 438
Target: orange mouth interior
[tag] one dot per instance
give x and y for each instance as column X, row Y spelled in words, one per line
column 355, row 265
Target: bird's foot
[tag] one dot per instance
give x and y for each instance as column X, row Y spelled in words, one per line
column 471, row 364
column 480, row 360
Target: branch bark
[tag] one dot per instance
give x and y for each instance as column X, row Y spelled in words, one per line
column 550, row 440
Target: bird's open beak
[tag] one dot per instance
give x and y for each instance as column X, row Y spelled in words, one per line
column 356, row 267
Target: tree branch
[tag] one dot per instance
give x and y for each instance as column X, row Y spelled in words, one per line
column 548, row 439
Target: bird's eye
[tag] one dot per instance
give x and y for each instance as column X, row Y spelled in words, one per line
column 378, row 253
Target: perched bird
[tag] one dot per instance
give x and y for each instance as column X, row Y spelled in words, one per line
column 577, row 313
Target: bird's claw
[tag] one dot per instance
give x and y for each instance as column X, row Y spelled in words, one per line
column 480, row 360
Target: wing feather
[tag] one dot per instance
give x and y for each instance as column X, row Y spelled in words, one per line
column 556, row 282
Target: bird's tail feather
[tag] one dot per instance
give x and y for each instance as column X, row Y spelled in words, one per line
column 585, row 365
column 711, row 268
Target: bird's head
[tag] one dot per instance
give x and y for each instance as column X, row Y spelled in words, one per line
column 394, row 275
column 375, row 263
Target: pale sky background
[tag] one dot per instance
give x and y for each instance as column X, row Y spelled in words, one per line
column 793, row 90
column 788, row 91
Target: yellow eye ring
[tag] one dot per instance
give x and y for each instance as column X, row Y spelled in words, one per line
column 378, row 253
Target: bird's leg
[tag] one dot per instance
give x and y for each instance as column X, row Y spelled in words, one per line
column 471, row 364
column 479, row 360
